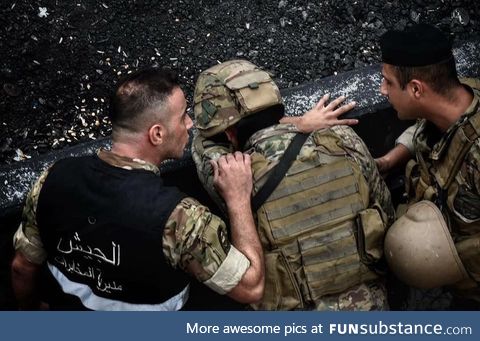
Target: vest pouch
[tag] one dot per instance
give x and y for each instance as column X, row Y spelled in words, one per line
column 331, row 262
column 370, row 235
column 254, row 90
column 424, row 191
column 411, row 178
column 459, row 200
column 400, row 210
column 281, row 289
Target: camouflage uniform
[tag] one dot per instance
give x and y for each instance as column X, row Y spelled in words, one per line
column 271, row 143
column 194, row 239
column 461, row 201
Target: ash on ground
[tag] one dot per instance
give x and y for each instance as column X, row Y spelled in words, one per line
column 60, row 59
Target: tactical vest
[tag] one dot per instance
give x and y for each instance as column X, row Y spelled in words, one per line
column 318, row 235
column 435, row 177
column 102, row 227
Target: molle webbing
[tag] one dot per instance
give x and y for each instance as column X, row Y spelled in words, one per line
column 277, row 173
column 445, row 163
column 312, row 222
column 309, row 183
column 313, row 199
column 328, row 237
column 311, row 202
column 311, row 218
column 331, row 261
column 309, row 227
column 327, row 254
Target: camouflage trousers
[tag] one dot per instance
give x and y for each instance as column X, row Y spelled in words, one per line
column 363, row 297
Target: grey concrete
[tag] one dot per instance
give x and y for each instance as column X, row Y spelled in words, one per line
column 359, row 85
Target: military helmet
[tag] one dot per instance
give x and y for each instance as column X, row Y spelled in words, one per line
column 420, row 250
column 227, row 92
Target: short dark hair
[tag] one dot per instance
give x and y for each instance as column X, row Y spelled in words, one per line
column 441, row 77
column 138, row 94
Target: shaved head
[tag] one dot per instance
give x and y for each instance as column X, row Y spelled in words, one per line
column 141, row 99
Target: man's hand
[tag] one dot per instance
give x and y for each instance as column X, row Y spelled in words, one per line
column 232, row 176
column 322, row 115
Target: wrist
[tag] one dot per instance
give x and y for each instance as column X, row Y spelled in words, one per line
column 386, row 161
column 239, row 205
column 300, row 124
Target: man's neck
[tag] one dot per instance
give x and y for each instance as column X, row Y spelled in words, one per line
column 444, row 112
column 135, row 150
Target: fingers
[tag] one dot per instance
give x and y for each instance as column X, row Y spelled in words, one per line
column 247, row 160
column 215, row 169
column 231, row 160
column 344, row 108
column 335, row 103
column 233, row 177
column 238, row 156
column 347, row 122
column 323, row 100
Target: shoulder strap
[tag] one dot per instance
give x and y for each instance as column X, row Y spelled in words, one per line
column 279, row 171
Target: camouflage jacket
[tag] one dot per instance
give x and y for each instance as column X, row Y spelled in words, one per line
column 271, row 143
column 416, row 139
column 194, row 239
column 446, row 172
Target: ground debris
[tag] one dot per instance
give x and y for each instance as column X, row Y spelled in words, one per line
column 49, row 46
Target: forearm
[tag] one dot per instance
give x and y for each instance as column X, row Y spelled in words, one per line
column 245, row 238
column 396, row 157
column 233, row 178
column 299, row 122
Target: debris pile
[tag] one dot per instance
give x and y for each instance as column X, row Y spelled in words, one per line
column 59, row 59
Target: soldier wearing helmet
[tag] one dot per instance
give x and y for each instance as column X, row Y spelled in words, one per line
column 421, row 82
column 320, row 206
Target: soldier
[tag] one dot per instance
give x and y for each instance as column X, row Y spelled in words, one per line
column 115, row 238
column 321, row 207
column 421, row 82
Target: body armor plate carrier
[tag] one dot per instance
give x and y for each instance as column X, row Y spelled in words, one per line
column 318, row 235
column 436, row 178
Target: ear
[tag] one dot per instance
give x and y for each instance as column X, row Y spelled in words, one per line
column 231, row 133
column 416, row 88
column 157, row 134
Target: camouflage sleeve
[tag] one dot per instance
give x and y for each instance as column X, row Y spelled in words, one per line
column 204, row 150
column 196, row 241
column 472, row 165
column 407, row 138
column 361, row 155
column 467, row 201
column 471, row 82
column 27, row 238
